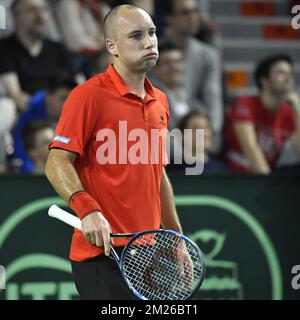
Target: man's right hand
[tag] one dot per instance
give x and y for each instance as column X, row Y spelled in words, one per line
column 97, row 230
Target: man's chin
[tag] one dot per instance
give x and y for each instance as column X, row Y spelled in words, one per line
column 150, row 65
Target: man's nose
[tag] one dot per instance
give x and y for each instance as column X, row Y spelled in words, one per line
column 149, row 42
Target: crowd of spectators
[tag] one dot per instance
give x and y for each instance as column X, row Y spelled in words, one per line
column 50, row 46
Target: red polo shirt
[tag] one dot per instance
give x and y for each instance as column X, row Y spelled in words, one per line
column 128, row 194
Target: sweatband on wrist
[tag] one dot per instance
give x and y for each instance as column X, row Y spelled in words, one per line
column 83, row 204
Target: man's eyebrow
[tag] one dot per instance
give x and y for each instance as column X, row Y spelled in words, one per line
column 153, row 28
column 135, row 31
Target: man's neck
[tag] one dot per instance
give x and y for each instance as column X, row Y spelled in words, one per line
column 270, row 101
column 33, row 45
column 134, row 81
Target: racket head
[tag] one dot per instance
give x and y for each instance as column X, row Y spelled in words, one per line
column 162, row 265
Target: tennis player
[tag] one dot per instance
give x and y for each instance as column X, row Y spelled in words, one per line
column 112, row 197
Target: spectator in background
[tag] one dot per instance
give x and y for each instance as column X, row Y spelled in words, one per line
column 27, row 59
column 168, row 76
column 36, row 136
column 258, row 127
column 7, row 119
column 208, row 31
column 202, row 68
column 196, row 120
column 44, row 105
column 80, row 22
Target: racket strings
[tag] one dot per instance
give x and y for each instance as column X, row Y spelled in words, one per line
column 162, row 266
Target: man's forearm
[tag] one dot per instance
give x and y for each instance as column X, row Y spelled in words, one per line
column 65, row 180
column 258, row 161
column 169, row 217
column 247, row 138
column 62, row 175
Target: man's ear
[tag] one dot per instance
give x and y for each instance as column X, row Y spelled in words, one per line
column 111, row 47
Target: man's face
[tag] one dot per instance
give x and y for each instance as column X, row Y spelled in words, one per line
column 31, row 18
column 186, row 17
column 170, row 68
column 55, row 101
column 135, row 41
column 281, row 79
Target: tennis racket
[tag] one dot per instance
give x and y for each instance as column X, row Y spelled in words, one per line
column 155, row 264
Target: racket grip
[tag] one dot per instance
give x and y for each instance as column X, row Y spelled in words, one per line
column 55, row 212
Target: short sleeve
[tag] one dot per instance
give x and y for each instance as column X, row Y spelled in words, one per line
column 76, row 124
column 241, row 110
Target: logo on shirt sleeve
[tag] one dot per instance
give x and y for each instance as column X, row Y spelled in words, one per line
column 62, row 139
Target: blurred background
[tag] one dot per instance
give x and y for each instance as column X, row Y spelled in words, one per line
column 230, row 67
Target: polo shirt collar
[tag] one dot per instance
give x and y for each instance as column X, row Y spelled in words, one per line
column 123, row 89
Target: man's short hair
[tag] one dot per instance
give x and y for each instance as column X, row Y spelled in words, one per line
column 108, row 19
column 264, row 67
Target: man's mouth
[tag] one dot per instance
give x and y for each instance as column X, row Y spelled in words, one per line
column 151, row 55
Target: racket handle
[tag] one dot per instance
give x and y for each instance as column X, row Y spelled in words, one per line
column 60, row 214
column 56, row 212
